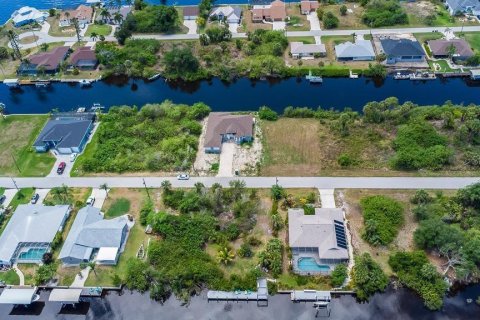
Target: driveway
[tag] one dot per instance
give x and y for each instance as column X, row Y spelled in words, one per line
column 327, row 198
column 61, row 158
column 100, row 196
column 279, row 25
column 9, row 194
column 226, row 160
column 314, row 22
column 42, row 195
column 233, row 27
column 191, row 25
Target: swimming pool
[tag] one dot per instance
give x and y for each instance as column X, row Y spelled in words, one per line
column 32, row 254
column 309, row 264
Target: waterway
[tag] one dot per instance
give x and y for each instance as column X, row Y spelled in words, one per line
column 241, row 95
column 393, row 304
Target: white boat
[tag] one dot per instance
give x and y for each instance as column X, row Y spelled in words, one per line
column 42, row 84
column 81, row 110
column 402, row 76
column 12, row 83
column 353, row 75
column 97, row 107
column 314, row 79
column 423, row 76
column 85, row 83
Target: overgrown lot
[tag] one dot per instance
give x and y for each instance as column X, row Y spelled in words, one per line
column 158, row 137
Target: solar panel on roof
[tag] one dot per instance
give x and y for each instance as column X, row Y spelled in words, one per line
column 340, row 234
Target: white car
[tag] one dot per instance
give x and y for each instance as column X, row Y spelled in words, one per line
column 183, row 176
column 73, row 156
column 90, row 201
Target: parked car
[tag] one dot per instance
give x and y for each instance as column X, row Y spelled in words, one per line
column 61, row 167
column 2, row 199
column 35, row 198
column 183, row 176
column 90, row 201
column 73, row 156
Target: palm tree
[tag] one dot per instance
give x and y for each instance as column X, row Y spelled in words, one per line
column 44, row 47
column 354, row 35
column 92, row 266
column 76, row 24
column 225, row 255
column 105, row 14
column 105, row 187
column 94, row 36
column 128, row 67
column 56, row 193
column 14, row 41
column 117, row 17
column 166, row 185
column 451, row 50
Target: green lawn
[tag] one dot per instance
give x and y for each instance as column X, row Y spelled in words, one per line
column 86, row 154
column 306, row 40
column 474, row 39
column 23, row 196
column 444, row 67
column 119, row 207
column 18, row 135
column 10, row 277
column 427, row 36
column 99, row 29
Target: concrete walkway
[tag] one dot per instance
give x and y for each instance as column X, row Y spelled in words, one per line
column 19, row 274
column 81, row 278
column 191, row 25
column 327, row 198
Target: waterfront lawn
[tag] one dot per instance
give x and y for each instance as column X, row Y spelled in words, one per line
column 99, row 29
column 298, row 21
column 29, row 270
column 18, row 135
column 474, row 39
column 442, row 66
column 10, row 277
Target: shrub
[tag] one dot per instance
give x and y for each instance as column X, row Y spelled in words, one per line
column 345, row 160
column 245, row 250
column 265, row 113
column 383, row 216
column 330, row 21
column 367, row 277
column 339, row 274
column 272, row 257
column 343, row 10
column 381, row 13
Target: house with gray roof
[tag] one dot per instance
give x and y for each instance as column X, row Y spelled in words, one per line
column 440, row 49
column 91, row 235
column 463, row 7
column 301, row 50
column 65, row 133
column 223, row 127
column 318, row 241
column 123, row 12
column 228, row 14
column 402, row 50
column 361, row 50
column 30, row 233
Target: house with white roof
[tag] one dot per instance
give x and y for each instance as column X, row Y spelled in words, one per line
column 301, row 50
column 93, row 237
column 318, row 241
column 471, row 7
column 360, row 50
column 228, row 13
column 30, row 233
column 26, row 15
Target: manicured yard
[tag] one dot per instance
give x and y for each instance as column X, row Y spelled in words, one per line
column 439, row 65
column 29, row 270
column 474, row 39
column 306, row 40
column 16, row 140
column 119, row 207
column 23, row 196
column 99, row 29
column 424, row 37
column 10, row 277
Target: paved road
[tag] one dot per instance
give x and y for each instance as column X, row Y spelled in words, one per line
column 254, row 182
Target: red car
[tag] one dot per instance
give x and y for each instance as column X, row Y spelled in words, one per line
column 61, row 167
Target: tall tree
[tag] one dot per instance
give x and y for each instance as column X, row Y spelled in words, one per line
column 76, row 25
column 14, row 41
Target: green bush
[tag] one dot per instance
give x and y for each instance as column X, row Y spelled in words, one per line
column 330, row 21
column 382, row 13
column 339, row 274
column 265, row 113
column 272, row 257
column 383, row 216
column 367, row 277
column 345, row 160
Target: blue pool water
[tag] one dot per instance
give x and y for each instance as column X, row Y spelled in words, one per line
column 309, row 264
column 32, row 254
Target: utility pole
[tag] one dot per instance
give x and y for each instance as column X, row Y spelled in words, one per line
column 146, row 189
column 14, row 183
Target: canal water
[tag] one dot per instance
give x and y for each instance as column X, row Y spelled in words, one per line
column 393, row 304
column 241, row 95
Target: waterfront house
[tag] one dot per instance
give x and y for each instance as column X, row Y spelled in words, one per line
column 308, row 6
column 223, row 127
column 190, row 13
column 360, row 50
column 26, row 15
column 300, row 50
column 276, row 11
column 30, row 233
column 44, row 62
column 318, row 241
column 83, row 13
column 93, row 237
column 471, row 7
column 124, row 11
column 402, row 50
column 440, row 48
column 83, row 58
column 65, row 133
column 228, row 14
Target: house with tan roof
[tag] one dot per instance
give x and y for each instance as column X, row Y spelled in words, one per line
column 318, row 241
column 83, row 58
column 224, row 127
column 83, row 13
column 276, row 11
column 440, row 49
column 307, row 6
column 48, row 62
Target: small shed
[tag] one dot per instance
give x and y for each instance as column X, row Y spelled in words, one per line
column 19, row 295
